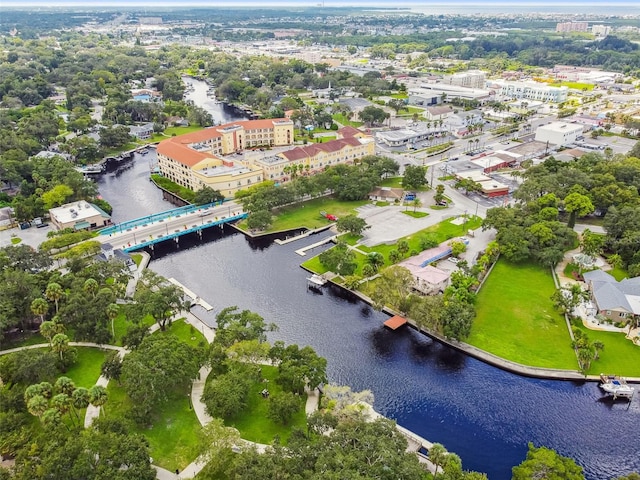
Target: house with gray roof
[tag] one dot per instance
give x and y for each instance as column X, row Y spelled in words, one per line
column 618, row 301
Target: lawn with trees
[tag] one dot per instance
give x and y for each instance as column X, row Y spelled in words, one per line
column 517, row 320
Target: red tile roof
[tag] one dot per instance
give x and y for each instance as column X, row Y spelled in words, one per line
column 348, row 131
column 177, row 148
column 313, row 149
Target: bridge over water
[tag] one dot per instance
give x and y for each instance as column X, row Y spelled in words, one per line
column 169, row 225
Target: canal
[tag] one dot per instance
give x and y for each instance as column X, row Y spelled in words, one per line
column 484, row 414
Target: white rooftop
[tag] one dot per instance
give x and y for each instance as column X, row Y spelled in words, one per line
column 74, row 212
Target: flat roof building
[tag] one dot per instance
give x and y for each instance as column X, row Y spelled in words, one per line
column 532, row 91
column 79, row 215
column 559, row 133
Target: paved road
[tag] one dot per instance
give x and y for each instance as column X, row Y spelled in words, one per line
column 136, row 235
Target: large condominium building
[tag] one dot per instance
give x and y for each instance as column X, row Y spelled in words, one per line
column 310, row 159
column 572, row 27
column 193, row 160
column 533, row 91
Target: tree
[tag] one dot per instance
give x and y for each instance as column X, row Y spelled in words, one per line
column 60, row 344
column 416, row 203
column 339, row 259
column 207, row 195
column 227, row 394
column 91, row 287
column 40, row 307
column 457, row 248
column 468, row 185
column 394, row 256
column 352, row 224
column 298, row 368
column 375, row 259
column 437, row 455
column 393, row 288
column 113, row 310
column 542, row 462
column 158, row 298
column 282, row 407
column 577, row 205
column 592, row 243
column 57, row 196
column 396, row 104
column 158, row 366
column 414, row 177
column 112, row 366
column 235, row 326
column 54, row 293
column 371, row 115
column 259, row 220
column 403, row 247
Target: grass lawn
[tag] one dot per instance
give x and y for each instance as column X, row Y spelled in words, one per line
column 349, row 238
column 15, row 240
column 181, row 130
column 112, row 152
column 618, row 273
column 393, row 182
column 137, row 258
column 185, row 332
column 121, row 325
column 253, row 423
column 342, row 119
column 415, row 214
column 619, row 356
column 172, row 436
column 307, row 214
column 315, row 266
column 86, row 371
column 516, row 319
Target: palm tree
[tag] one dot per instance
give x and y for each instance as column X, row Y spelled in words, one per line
column 112, row 312
column 54, row 293
column 98, row 396
column 368, row 271
column 416, row 203
column 37, row 405
column 48, row 330
column 598, row 346
column 437, row 454
column 60, row 344
column 376, row 260
column 394, row 256
column 403, row 247
column 39, row 307
column 51, row 416
column 91, row 286
column 62, row 403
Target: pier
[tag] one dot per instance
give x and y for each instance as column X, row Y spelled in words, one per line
column 303, row 251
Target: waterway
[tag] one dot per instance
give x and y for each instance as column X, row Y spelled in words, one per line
column 484, row 414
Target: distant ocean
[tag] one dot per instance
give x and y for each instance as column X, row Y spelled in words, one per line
column 438, row 7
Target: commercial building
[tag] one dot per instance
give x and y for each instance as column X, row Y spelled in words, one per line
column 315, row 157
column 489, row 187
column 601, row 31
column 564, row 27
column 559, row 133
column 79, row 216
column 194, row 160
column 532, row 91
column 214, row 157
column 434, row 93
column 469, row 79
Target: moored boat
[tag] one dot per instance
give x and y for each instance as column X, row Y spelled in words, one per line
column 316, row 280
column 616, row 386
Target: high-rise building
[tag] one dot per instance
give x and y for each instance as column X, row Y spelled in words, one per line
column 572, row 27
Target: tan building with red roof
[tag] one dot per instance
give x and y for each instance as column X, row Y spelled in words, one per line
column 313, row 158
column 194, row 160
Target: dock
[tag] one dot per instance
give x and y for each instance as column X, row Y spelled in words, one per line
column 395, row 322
column 196, row 299
column 303, row 251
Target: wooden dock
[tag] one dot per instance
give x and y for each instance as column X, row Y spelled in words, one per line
column 395, row 322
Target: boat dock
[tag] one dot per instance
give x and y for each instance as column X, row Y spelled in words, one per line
column 196, row 299
column 303, row 251
column 302, row 235
column 395, row 322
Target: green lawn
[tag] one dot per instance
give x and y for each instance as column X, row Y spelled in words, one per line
column 349, row 238
column 516, row 319
column 307, row 214
column 185, row 332
column 172, row 436
column 137, row 258
column 181, row 130
column 253, row 423
column 619, row 356
column 342, row 119
column 416, row 214
column 121, row 325
column 574, row 85
column 86, row 371
column 618, row 273
column 393, row 182
column 315, row 265
column 15, row 240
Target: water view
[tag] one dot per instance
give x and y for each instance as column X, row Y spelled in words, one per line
column 485, row 415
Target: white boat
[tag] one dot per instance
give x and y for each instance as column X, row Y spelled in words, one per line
column 90, row 169
column 616, row 386
column 316, row 280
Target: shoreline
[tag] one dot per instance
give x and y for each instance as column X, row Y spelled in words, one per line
column 488, row 357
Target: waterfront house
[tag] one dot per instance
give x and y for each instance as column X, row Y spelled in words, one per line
column 618, row 301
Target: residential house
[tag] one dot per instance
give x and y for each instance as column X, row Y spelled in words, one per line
column 617, row 301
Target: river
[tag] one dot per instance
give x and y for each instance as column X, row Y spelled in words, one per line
column 483, row 414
